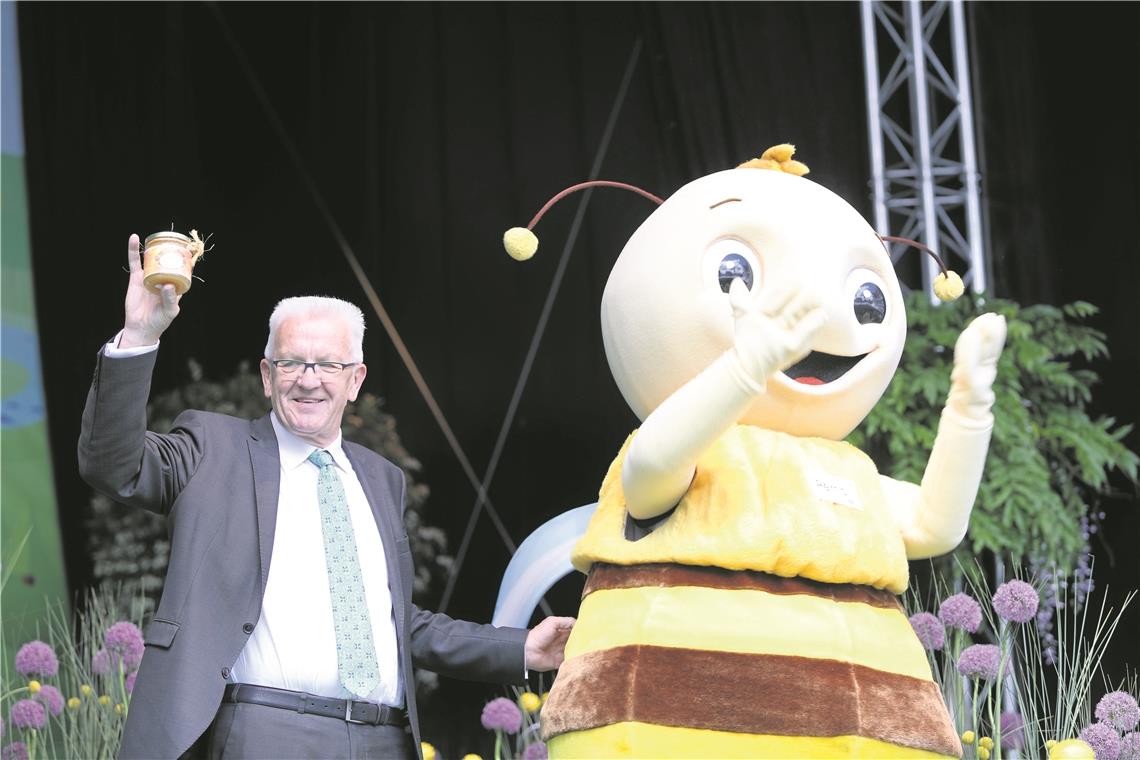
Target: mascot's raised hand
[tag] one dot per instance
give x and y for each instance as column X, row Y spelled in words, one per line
column 773, row 335
column 975, row 366
column 934, row 520
column 768, row 336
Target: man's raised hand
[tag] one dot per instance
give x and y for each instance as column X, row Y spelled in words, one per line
column 147, row 314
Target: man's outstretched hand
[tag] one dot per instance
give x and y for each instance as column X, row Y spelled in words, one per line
column 546, row 642
column 147, row 315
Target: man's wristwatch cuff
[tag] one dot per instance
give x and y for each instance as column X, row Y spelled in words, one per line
column 112, row 350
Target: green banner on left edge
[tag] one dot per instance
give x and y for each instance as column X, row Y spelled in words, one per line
column 35, row 576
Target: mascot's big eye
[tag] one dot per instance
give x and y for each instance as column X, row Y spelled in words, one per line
column 732, row 266
column 870, row 304
column 728, row 259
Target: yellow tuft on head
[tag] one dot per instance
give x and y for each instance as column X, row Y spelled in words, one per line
column 779, row 153
column 777, row 158
column 760, row 163
column 794, row 167
column 520, row 243
column 948, row 286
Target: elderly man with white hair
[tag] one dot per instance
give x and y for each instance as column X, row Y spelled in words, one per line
column 286, row 626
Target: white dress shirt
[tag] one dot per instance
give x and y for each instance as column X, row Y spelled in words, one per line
column 293, row 645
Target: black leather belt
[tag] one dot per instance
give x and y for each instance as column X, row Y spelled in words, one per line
column 347, row 710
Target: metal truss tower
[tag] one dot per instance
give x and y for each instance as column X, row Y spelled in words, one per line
column 921, row 125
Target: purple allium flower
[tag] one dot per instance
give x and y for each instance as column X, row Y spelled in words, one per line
column 980, row 661
column 1082, row 577
column 961, row 611
column 124, row 640
column 14, row 751
column 36, row 659
column 101, row 663
column 51, row 698
column 1104, row 740
column 929, row 630
column 536, row 751
column 1130, row 747
column 1012, row 731
column 501, row 714
column 1119, row 710
column 1016, row 601
column 28, row 713
column 130, row 682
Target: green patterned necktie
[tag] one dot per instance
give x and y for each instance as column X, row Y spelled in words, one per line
column 355, row 651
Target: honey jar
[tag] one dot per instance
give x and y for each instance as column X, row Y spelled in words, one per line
column 169, row 258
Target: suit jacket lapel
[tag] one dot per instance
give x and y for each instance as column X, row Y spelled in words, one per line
column 376, row 491
column 266, row 461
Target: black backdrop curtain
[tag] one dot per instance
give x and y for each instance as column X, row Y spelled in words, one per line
column 428, row 129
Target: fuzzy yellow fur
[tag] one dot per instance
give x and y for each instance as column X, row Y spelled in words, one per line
column 644, row 740
column 755, row 504
column 762, row 623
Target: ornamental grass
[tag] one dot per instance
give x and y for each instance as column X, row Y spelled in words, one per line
column 1036, row 643
column 66, row 694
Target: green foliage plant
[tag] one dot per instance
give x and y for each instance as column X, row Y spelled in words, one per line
column 1049, row 461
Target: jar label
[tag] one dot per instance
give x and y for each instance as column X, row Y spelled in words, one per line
column 171, row 260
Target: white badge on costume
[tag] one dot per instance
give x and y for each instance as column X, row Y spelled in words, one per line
column 834, row 489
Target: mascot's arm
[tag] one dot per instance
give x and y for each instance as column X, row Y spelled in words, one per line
column 933, row 518
column 768, row 337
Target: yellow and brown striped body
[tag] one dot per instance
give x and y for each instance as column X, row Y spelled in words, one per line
column 680, row 661
column 793, row 646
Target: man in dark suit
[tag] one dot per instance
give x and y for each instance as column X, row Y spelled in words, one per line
column 286, row 626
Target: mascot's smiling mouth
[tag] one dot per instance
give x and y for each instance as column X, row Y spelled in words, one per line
column 818, row 368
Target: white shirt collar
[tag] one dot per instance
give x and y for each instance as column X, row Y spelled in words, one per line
column 295, row 451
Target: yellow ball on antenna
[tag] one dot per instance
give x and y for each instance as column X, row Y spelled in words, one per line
column 520, row 243
column 948, row 286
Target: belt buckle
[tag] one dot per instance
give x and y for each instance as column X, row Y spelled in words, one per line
column 348, row 713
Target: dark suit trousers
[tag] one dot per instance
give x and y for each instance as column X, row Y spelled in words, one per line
column 242, row 730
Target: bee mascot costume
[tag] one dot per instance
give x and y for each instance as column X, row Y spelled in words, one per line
column 744, row 562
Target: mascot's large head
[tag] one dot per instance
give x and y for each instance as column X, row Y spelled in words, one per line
column 666, row 313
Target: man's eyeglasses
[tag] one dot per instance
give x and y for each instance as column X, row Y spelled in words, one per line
column 289, row 367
